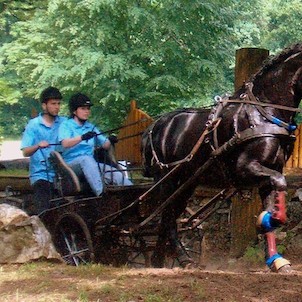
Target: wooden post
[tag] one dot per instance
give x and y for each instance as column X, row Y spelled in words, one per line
column 244, row 210
column 248, row 61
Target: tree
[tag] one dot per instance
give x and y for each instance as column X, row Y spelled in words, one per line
column 15, row 109
column 283, row 24
column 165, row 54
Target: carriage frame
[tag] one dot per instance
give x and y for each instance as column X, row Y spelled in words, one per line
column 120, row 226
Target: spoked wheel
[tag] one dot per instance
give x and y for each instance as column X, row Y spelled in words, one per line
column 138, row 250
column 191, row 242
column 121, row 248
column 73, row 240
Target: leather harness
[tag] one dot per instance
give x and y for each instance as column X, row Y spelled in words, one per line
column 276, row 127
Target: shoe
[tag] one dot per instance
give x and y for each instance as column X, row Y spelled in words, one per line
column 68, row 182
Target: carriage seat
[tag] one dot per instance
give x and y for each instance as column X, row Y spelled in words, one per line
column 68, row 180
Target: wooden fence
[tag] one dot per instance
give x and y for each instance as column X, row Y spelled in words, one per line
column 295, row 161
column 128, row 147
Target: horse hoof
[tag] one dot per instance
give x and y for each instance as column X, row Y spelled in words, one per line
column 287, row 269
column 281, row 265
column 190, row 265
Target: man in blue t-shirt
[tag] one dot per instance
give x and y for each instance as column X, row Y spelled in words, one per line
column 40, row 137
column 76, row 135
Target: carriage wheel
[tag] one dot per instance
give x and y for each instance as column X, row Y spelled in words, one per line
column 137, row 248
column 73, row 240
column 118, row 249
column 191, row 242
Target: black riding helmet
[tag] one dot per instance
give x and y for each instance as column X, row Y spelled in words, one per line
column 78, row 100
column 50, row 93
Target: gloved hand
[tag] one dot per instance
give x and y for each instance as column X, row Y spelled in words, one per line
column 113, row 139
column 88, row 135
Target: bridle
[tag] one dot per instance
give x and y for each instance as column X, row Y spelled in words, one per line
column 249, row 98
column 276, row 127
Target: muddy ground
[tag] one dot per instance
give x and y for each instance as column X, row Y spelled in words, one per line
column 232, row 283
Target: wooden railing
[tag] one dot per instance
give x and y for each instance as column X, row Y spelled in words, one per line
column 295, row 161
column 128, row 147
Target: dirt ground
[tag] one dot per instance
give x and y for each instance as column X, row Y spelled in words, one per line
column 220, row 278
column 228, row 281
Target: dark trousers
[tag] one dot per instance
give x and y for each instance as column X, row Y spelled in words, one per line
column 43, row 192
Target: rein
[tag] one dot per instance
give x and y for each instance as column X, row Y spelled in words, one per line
column 195, row 148
column 249, row 98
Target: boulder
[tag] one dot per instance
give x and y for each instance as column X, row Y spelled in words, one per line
column 24, row 238
column 15, row 164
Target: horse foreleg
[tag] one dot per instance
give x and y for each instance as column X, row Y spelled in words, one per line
column 158, row 256
column 274, row 214
column 269, row 220
column 179, row 250
column 168, row 233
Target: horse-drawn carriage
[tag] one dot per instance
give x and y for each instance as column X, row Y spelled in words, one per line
column 242, row 142
column 118, row 227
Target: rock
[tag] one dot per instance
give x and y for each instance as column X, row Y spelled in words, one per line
column 15, row 164
column 24, row 238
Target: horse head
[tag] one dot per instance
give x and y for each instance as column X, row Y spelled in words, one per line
column 279, row 81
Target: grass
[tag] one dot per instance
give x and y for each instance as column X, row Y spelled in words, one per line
column 254, row 255
column 13, row 172
column 41, row 281
column 48, row 282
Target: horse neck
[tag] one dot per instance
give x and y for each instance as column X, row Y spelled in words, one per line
column 278, row 90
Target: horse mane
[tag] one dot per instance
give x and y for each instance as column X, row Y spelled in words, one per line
column 269, row 65
column 272, row 61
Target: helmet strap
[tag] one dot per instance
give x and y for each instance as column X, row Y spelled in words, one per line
column 79, row 119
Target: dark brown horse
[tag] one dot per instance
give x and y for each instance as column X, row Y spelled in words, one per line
column 244, row 142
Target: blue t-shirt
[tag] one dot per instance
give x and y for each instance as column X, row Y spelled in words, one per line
column 69, row 129
column 36, row 131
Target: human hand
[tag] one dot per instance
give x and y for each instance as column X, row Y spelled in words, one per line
column 113, row 139
column 88, row 135
column 43, row 144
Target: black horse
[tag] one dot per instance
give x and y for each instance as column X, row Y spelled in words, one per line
column 243, row 141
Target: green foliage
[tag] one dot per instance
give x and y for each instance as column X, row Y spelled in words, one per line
column 254, row 254
column 284, row 23
column 164, row 54
column 7, row 93
column 281, row 249
column 16, row 117
column 161, row 53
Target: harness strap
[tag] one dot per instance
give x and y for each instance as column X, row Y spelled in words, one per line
column 268, row 130
column 268, row 116
column 257, row 103
column 195, row 148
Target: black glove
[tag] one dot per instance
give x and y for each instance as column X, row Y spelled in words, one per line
column 88, row 135
column 113, row 139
